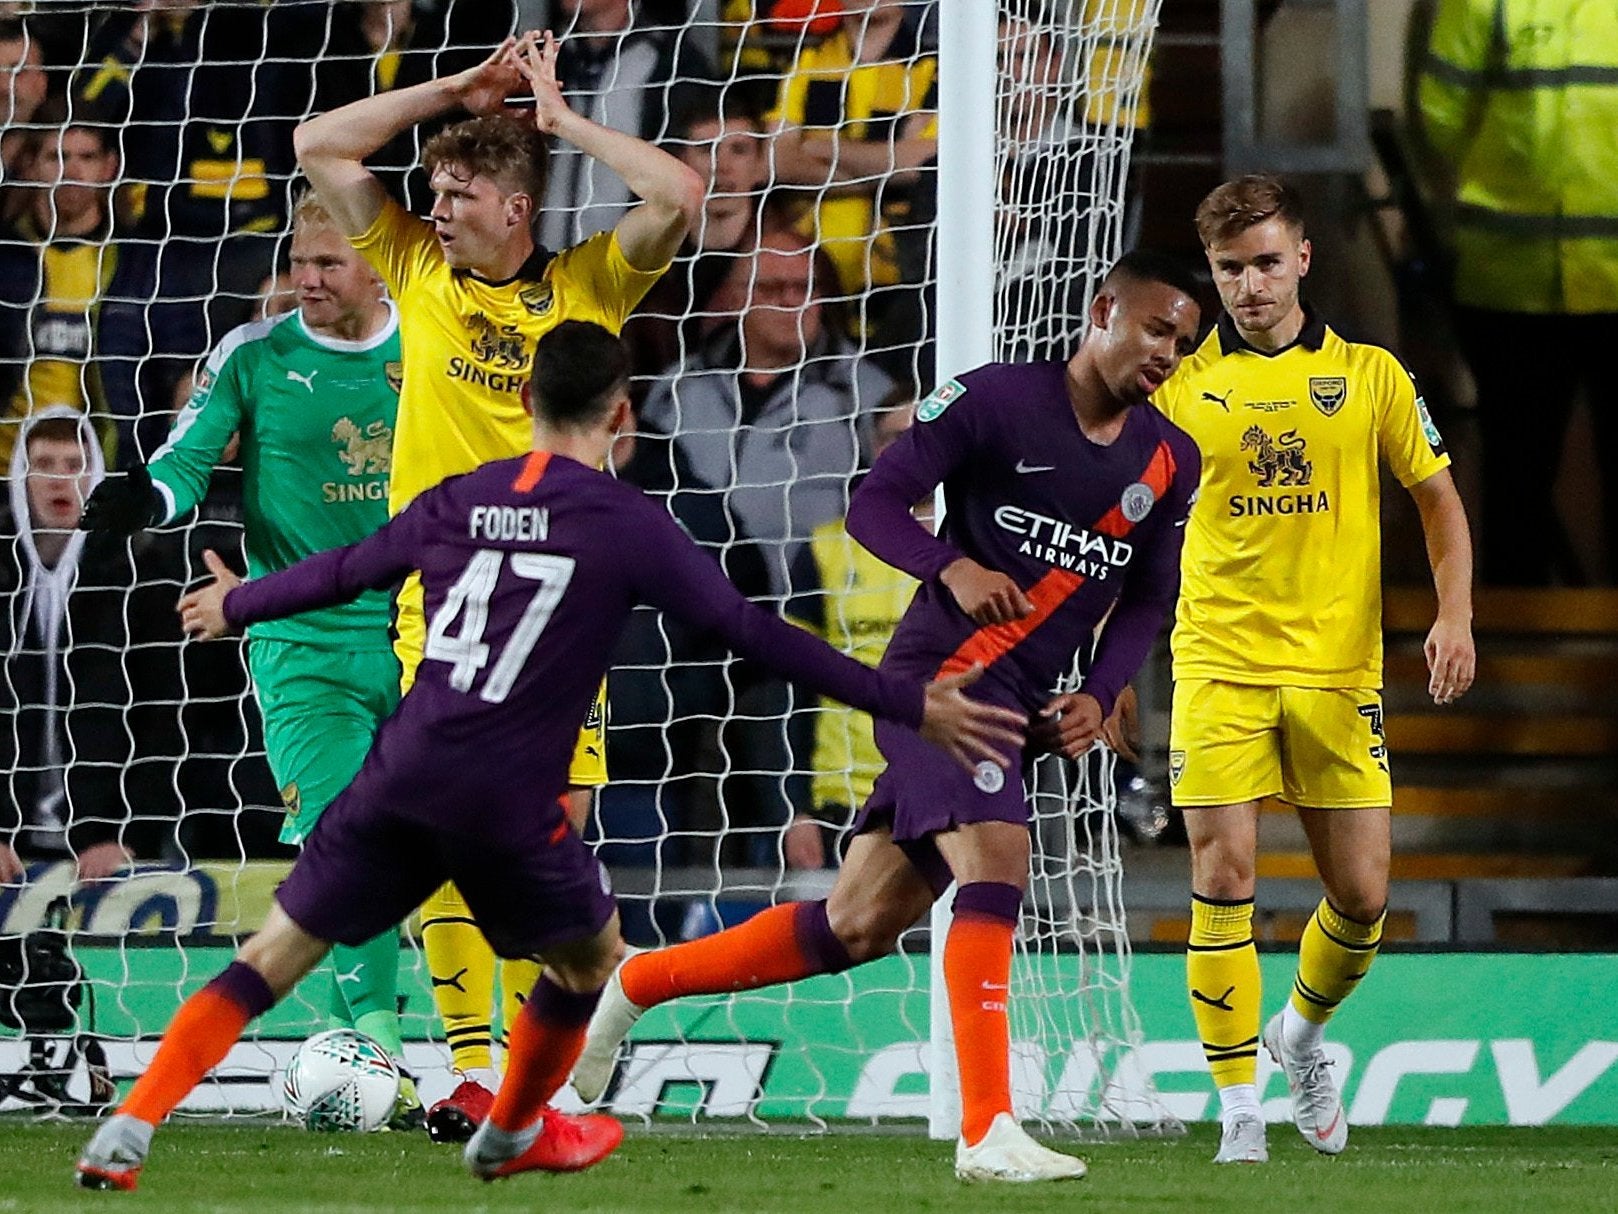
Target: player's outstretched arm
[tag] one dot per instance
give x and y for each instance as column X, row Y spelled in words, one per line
column 670, row 191
column 1451, row 654
column 676, row 577
column 332, row 147
column 325, row 579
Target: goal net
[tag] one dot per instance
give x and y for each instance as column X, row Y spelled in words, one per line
column 792, row 338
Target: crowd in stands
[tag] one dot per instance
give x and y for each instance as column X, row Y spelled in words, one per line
column 147, row 172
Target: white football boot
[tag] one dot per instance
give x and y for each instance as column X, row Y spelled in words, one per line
column 114, row 1157
column 614, row 1016
column 1241, row 1140
column 1317, row 1108
column 1007, row 1153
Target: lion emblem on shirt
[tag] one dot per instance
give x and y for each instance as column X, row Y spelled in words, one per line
column 365, row 452
column 1279, row 461
column 501, row 345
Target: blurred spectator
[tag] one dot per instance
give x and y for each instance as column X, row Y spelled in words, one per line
column 91, row 685
column 22, row 66
column 685, row 305
column 620, row 70
column 56, row 258
column 850, row 598
column 767, row 417
column 206, row 95
column 770, row 410
column 374, row 46
column 854, row 122
column 1061, row 141
column 1519, row 117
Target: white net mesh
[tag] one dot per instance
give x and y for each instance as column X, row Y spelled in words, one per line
column 776, row 355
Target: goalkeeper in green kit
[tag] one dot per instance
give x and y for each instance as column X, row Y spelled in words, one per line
column 312, row 394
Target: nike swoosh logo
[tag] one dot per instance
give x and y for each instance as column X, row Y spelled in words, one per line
column 1024, row 467
column 1322, row 1135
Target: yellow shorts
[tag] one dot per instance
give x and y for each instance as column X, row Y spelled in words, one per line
column 1321, row 748
column 589, row 766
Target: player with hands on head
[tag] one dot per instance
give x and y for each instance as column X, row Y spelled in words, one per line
column 1064, row 492
column 531, row 567
column 475, row 292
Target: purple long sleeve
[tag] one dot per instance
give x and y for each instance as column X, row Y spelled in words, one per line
column 879, row 516
column 327, row 578
column 684, row 582
column 1149, row 593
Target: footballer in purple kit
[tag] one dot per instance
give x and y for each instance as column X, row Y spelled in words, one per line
column 530, row 569
column 1065, row 497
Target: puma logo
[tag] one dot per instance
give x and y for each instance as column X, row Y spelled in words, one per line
column 353, row 975
column 308, row 381
column 1219, row 1003
column 1222, row 401
column 453, row 980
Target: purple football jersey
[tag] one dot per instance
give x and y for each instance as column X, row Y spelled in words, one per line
column 1082, row 528
column 530, row 569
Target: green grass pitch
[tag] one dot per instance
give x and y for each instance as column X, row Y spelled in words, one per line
column 269, row 1169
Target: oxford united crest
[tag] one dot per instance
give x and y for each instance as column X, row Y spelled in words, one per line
column 1328, row 392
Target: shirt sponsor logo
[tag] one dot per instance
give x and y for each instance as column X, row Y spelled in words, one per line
column 1279, row 503
column 1137, row 501
column 364, row 452
column 1328, row 392
column 367, row 452
column 1277, row 461
column 502, row 345
column 1062, row 544
column 939, row 399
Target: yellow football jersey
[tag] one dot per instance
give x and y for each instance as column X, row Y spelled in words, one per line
column 468, row 344
column 1282, row 571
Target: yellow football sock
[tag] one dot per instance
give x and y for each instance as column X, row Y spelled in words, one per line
column 1333, row 956
column 517, row 979
column 461, row 964
column 1221, row 970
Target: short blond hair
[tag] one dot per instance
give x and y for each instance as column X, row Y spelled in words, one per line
column 310, row 212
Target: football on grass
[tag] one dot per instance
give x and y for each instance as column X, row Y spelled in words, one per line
column 341, row 1080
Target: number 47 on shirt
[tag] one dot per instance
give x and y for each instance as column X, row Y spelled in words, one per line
column 466, row 651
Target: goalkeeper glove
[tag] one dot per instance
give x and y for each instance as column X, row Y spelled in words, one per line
column 124, row 504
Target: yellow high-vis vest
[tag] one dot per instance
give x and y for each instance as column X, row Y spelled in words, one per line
column 1520, row 98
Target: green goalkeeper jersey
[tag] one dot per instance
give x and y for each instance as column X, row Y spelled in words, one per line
column 315, row 415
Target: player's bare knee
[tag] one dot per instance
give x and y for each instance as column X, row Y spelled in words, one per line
column 1361, row 902
column 866, row 930
column 1222, row 872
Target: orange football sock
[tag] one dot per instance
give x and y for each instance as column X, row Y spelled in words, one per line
column 781, row 944
column 544, row 1042
column 977, row 971
column 197, row 1039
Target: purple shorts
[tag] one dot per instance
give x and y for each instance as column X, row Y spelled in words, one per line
column 364, row 870
column 923, row 792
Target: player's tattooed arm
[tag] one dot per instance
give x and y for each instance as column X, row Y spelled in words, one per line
column 985, row 595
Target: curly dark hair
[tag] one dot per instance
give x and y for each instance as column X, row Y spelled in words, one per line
column 508, row 151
